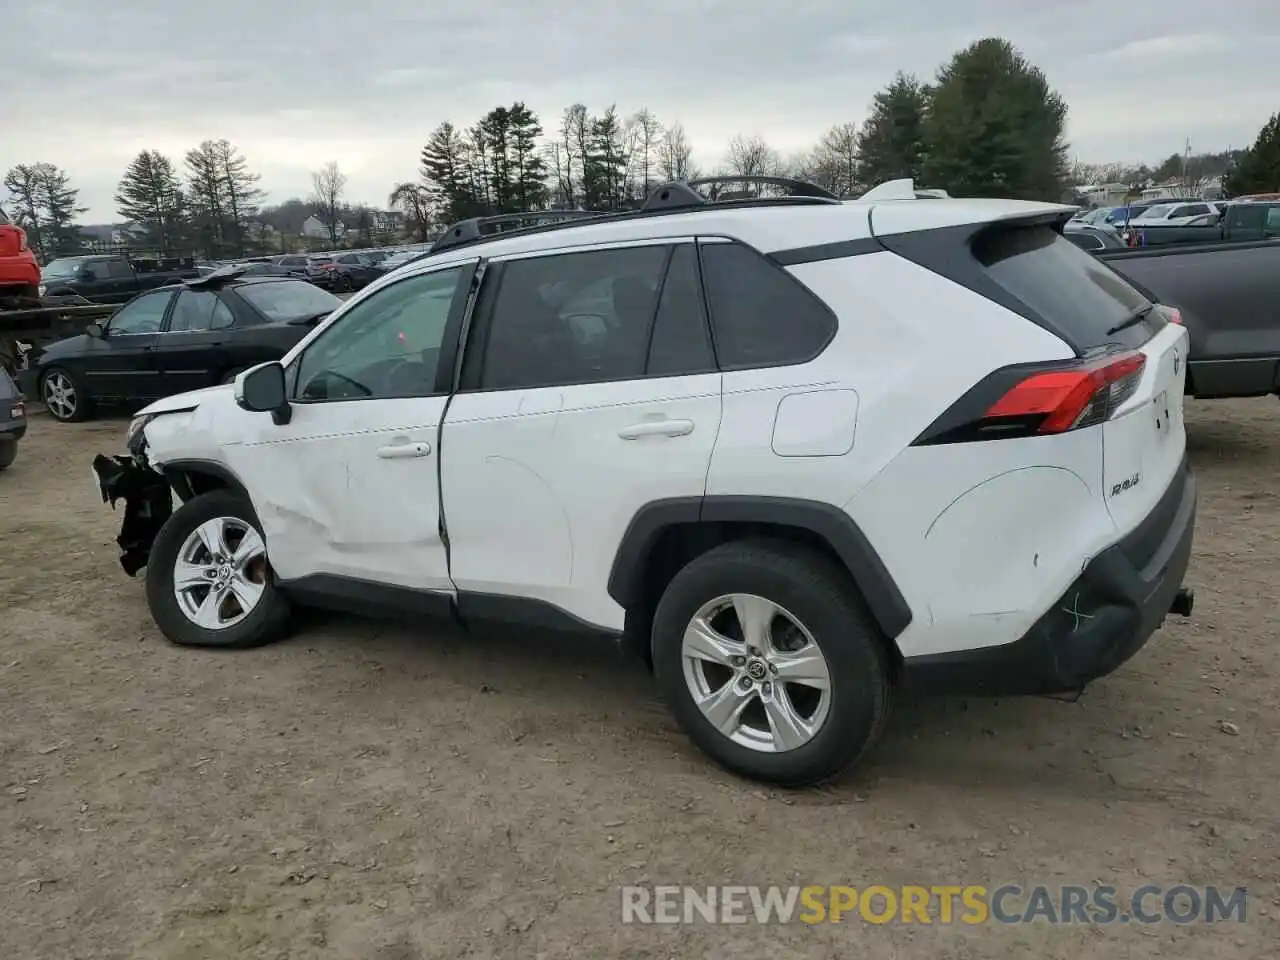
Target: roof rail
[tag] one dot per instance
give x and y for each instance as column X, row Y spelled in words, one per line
column 904, row 189
column 469, row 231
column 681, row 194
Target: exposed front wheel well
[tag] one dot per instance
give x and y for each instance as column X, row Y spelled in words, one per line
column 679, row 544
column 191, row 480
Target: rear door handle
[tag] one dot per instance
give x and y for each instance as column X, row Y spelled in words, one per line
column 657, row 428
column 402, row 451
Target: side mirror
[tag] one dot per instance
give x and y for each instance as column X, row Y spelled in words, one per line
column 261, row 389
column 95, row 330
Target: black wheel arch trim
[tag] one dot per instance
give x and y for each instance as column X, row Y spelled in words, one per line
column 177, row 471
column 831, row 524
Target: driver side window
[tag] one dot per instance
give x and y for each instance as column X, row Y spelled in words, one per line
column 386, row 346
column 143, row 315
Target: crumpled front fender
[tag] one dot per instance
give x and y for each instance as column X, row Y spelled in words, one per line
column 148, row 503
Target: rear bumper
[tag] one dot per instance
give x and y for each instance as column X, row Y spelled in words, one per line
column 13, row 429
column 1106, row 616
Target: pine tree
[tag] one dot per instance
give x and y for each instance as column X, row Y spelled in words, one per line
column 1258, row 169
column 528, row 168
column 243, row 196
column 447, row 174
column 890, row 145
column 150, row 195
column 206, row 190
column 995, row 127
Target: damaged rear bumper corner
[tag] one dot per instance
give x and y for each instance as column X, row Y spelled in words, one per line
column 148, row 503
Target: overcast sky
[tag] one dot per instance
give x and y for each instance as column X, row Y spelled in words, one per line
column 89, row 83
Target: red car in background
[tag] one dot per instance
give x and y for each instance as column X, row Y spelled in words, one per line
column 19, row 272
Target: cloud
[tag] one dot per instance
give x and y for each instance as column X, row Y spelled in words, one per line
column 294, row 86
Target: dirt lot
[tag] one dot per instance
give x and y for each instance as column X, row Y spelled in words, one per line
column 370, row 791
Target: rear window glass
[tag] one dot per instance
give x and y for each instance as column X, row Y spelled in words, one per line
column 1071, row 290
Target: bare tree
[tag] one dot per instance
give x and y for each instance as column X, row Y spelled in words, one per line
column 575, row 136
column 834, row 162
column 675, row 155
column 647, row 140
column 413, row 200
column 327, row 187
column 752, row 157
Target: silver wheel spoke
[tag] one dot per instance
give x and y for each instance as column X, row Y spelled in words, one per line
column 246, row 592
column 789, row 729
column 207, row 614
column 724, row 707
column 703, row 641
column 188, row 575
column 211, row 534
column 806, row 666
column 249, row 548
column 755, row 617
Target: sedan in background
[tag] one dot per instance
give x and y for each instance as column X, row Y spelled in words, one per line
column 400, row 259
column 13, row 419
column 177, row 338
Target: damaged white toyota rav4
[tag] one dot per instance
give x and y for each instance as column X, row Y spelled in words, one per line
column 801, row 453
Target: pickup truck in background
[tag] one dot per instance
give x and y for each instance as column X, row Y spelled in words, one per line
column 112, row 279
column 1229, row 296
column 1253, row 220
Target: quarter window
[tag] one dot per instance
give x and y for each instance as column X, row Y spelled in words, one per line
column 386, row 346
column 760, row 315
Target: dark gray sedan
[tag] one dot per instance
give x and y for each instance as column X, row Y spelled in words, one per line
column 13, row 419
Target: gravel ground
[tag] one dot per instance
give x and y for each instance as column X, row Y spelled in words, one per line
column 368, row 790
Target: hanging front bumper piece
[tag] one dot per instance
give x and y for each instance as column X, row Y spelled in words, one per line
column 148, row 502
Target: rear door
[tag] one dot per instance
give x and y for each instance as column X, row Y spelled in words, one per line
column 194, row 350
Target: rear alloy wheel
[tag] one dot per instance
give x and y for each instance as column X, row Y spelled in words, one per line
column 770, row 662
column 208, row 580
column 63, row 397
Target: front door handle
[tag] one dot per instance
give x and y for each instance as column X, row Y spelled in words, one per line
column 657, row 428
column 401, row 451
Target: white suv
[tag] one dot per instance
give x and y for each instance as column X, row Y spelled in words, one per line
column 800, row 452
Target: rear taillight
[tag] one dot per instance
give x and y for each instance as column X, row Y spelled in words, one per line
column 1175, row 316
column 22, row 241
column 1025, row 402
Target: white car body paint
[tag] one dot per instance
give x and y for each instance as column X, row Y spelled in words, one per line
column 538, row 486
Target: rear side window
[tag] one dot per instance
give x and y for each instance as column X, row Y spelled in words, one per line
column 1085, row 241
column 760, row 315
column 3, row 219
column 1075, row 294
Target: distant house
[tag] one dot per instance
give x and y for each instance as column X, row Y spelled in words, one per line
column 386, row 221
column 313, row 228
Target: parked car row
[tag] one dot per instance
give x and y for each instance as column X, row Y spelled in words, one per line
column 183, row 336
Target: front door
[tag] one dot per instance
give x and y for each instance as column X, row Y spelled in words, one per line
column 194, row 350
column 589, row 390
column 349, row 487
column 122, row 363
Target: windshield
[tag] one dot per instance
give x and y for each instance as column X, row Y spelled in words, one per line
column 62, row 267
column 288, row 299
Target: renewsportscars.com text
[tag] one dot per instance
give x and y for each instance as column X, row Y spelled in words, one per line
column 969, row 904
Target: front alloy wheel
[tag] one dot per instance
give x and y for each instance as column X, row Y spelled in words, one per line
column 756, row 673
column 61, row 397
column 220, row 574
column 209, row 581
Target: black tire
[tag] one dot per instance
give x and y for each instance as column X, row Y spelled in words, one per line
column 8, row 452
column 83, row 408
column 824, row 599
column 268, row 620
